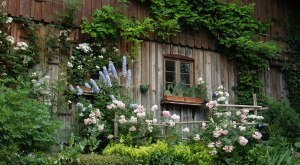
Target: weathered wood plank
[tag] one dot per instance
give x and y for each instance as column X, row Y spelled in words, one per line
column 191, row 38
column 153, row 76
column 224, row 72
column 183, row 38
column 145, row 71
column 208, row 73
column 87, row 9
column 137, row 76
column 160, row 78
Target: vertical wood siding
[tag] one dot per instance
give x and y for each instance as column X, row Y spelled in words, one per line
column 148, row 69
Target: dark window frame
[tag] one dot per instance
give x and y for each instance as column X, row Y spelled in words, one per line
column 178, row 59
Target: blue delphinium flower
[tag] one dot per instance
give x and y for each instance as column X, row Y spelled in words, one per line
column 95, row 86
column 108, row 81
column 112, row 68
column 105, row 71
column 71, row 88
column 103, row 77
column 128, row 81
column 87, row 85
column 79, row 90
column 124, row 70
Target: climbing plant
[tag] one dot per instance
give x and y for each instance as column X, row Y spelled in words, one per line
column 292, row 66
column 232, row 24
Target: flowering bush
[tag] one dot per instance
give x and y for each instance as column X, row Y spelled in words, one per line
column 230, row 132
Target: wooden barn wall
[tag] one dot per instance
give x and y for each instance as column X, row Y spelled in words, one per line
column 274, row 10
column 199, row 45
column 148, row 69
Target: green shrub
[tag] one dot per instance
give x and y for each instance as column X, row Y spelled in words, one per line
column 282, row 119
column 162, row 153
column 25, row 124
column 95, row 159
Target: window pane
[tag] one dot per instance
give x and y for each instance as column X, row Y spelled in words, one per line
column 170, row 65
column 170, row 76
column 185, row 67
column 185, row 79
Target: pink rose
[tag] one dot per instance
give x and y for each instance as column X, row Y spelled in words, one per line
column 97, row 113
column 175, row 117
column 225, row 132
column 166, row 114
column 257, row 135
column 109, row 107
column 218, row 144
column 212, row 104
column 243, row 141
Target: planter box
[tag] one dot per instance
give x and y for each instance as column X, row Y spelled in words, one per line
column 174, row 98
column 183, row 99
column 193, row 100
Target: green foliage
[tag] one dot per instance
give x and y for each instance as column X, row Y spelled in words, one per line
column 232, row 24
column 67, row 17
column 25, row 123
column 291, row 69
column 94, row 159
column 283, row 119
column 273, row 151
column 110, row 25
column 162, row 153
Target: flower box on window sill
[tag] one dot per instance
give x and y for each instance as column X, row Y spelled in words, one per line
column 180, row 99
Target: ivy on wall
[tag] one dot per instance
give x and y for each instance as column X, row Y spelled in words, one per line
column 292, row 67
column 238, row 33
column 232, row 24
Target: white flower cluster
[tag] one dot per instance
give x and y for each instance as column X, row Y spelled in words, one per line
column 64, row 32
column 85, row 47
column 9, row 20
column 21, row 46
column 10, row 39
column 221, row 95
column 116, row 104
column 200, row 81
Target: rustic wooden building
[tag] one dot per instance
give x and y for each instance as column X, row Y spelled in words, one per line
column 197, row 50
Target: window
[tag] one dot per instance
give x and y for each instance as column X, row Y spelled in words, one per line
column 178, row 72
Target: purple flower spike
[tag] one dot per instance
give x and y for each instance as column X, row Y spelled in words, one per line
column 124, row 70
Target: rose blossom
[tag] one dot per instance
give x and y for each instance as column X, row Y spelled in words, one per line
column 154, row 108
column 166, row 114
column 228, row 148
column 197, row 137
column 101, row 127
column 110, row 136
column 97, row 113
column 225, row 132
column 122, row 120
column 175, row 117
column 133, row 120
column 132, row 129
column 238, row 113
column 186, row 129
column 257, row 135
column 211, row 145
column 141, row 115
column 212, row 104
column 154, row 121
column 218, row 144
column 242, row 128
column 245, row 111
column 87, row 121
column 243, row 141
